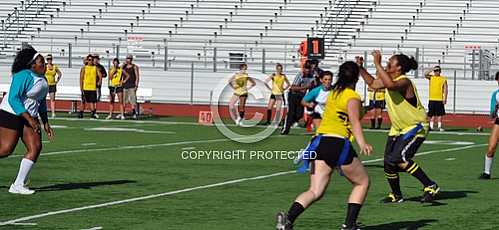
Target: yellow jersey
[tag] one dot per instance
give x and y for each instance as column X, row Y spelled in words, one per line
column 90, row 78
column 376, row 95
column 437, row 88
column 278, row 84
column 335, row 119
column 50, row 74
column 241, row 81
column 403, row 115
column 115, row 80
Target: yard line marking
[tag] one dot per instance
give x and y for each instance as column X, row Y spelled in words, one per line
column 25, row 224
column 258, row 126
column 133, row 147
column 13, row 221
column 189, row 148
column 450, row 159
column 94, row 228
column 88, row 144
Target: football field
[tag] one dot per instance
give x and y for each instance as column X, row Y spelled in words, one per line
column 160, row 174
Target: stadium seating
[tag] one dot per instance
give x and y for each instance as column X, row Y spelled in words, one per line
column 205, row 38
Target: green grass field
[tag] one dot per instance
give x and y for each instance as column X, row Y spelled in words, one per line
column 89, row 176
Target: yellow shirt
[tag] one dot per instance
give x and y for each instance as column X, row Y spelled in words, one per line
column 437, row 88
column 90, row 78
column 403, row 115
column 241, row 80
column 376, row 95
column 335, row 118
column 115, row 80
column 50, row 74
column 278, row 84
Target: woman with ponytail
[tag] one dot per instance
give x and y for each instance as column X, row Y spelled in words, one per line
column 332, row 148
column 409, row 123
column 20, row 111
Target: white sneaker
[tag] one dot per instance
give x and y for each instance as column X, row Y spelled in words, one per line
column 20, row 189
column 134, row 116
column 441, row 129
column 53, row 115
column 122, row 117
column 295, row 125
column 238, row 121
column 109, row 117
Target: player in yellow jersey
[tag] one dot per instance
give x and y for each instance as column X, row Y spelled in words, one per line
column 377, row 105
column 89, row 78
column 239, row 82
column 280, row 84
column 50, row 74
column 409, row 124
column 333, row 149
column 116, row 89
column 438, row 96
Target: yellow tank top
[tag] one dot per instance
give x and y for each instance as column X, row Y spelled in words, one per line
column 437, row 88
column 241, row 80
column 90, row 78
column 278, row 84
column 335, row 118
column 376, row 95
column 115, row 80
column 50, row 74
column 403, row 115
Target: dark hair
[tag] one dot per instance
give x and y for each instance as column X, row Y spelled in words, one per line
column 278, row 65
column 348, row 75
column 497, row 75
column 241, row 66
column 307, row 66
column 314, row 62
column 406, row 63
column 326, row 73
column 117, row 60
column 24, row 59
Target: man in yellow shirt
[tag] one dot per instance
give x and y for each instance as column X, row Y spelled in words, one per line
column 438, row 96
column 90, row 77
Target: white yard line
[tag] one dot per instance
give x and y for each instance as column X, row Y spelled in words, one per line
column 259, row 126
column 236, row 181
column 94, row 228
column 132, row 147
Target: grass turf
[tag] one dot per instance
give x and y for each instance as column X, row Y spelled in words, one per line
column 85, row 166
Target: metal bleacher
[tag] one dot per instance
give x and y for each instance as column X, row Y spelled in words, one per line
column 185, row 47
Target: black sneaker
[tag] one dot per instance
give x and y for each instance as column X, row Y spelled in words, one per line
column 80, row 115
column 284, row 131
column 282, row 222
column 353, row 227
column 392, row 198
column 429, row 193
column 484, row 176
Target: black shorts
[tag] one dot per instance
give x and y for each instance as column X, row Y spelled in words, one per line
column 398, row 150
column 497, row 121
column 115, row 89
column 275, row 97
column 316, row 115
column 11, row 121
column 89, row 96
column 330, row 150
column 377, row 104
column 52, row 88
column 436, row 108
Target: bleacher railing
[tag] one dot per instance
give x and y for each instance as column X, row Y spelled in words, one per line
column 332, row 24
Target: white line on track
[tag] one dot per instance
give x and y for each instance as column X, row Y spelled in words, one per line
column 118, row 202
